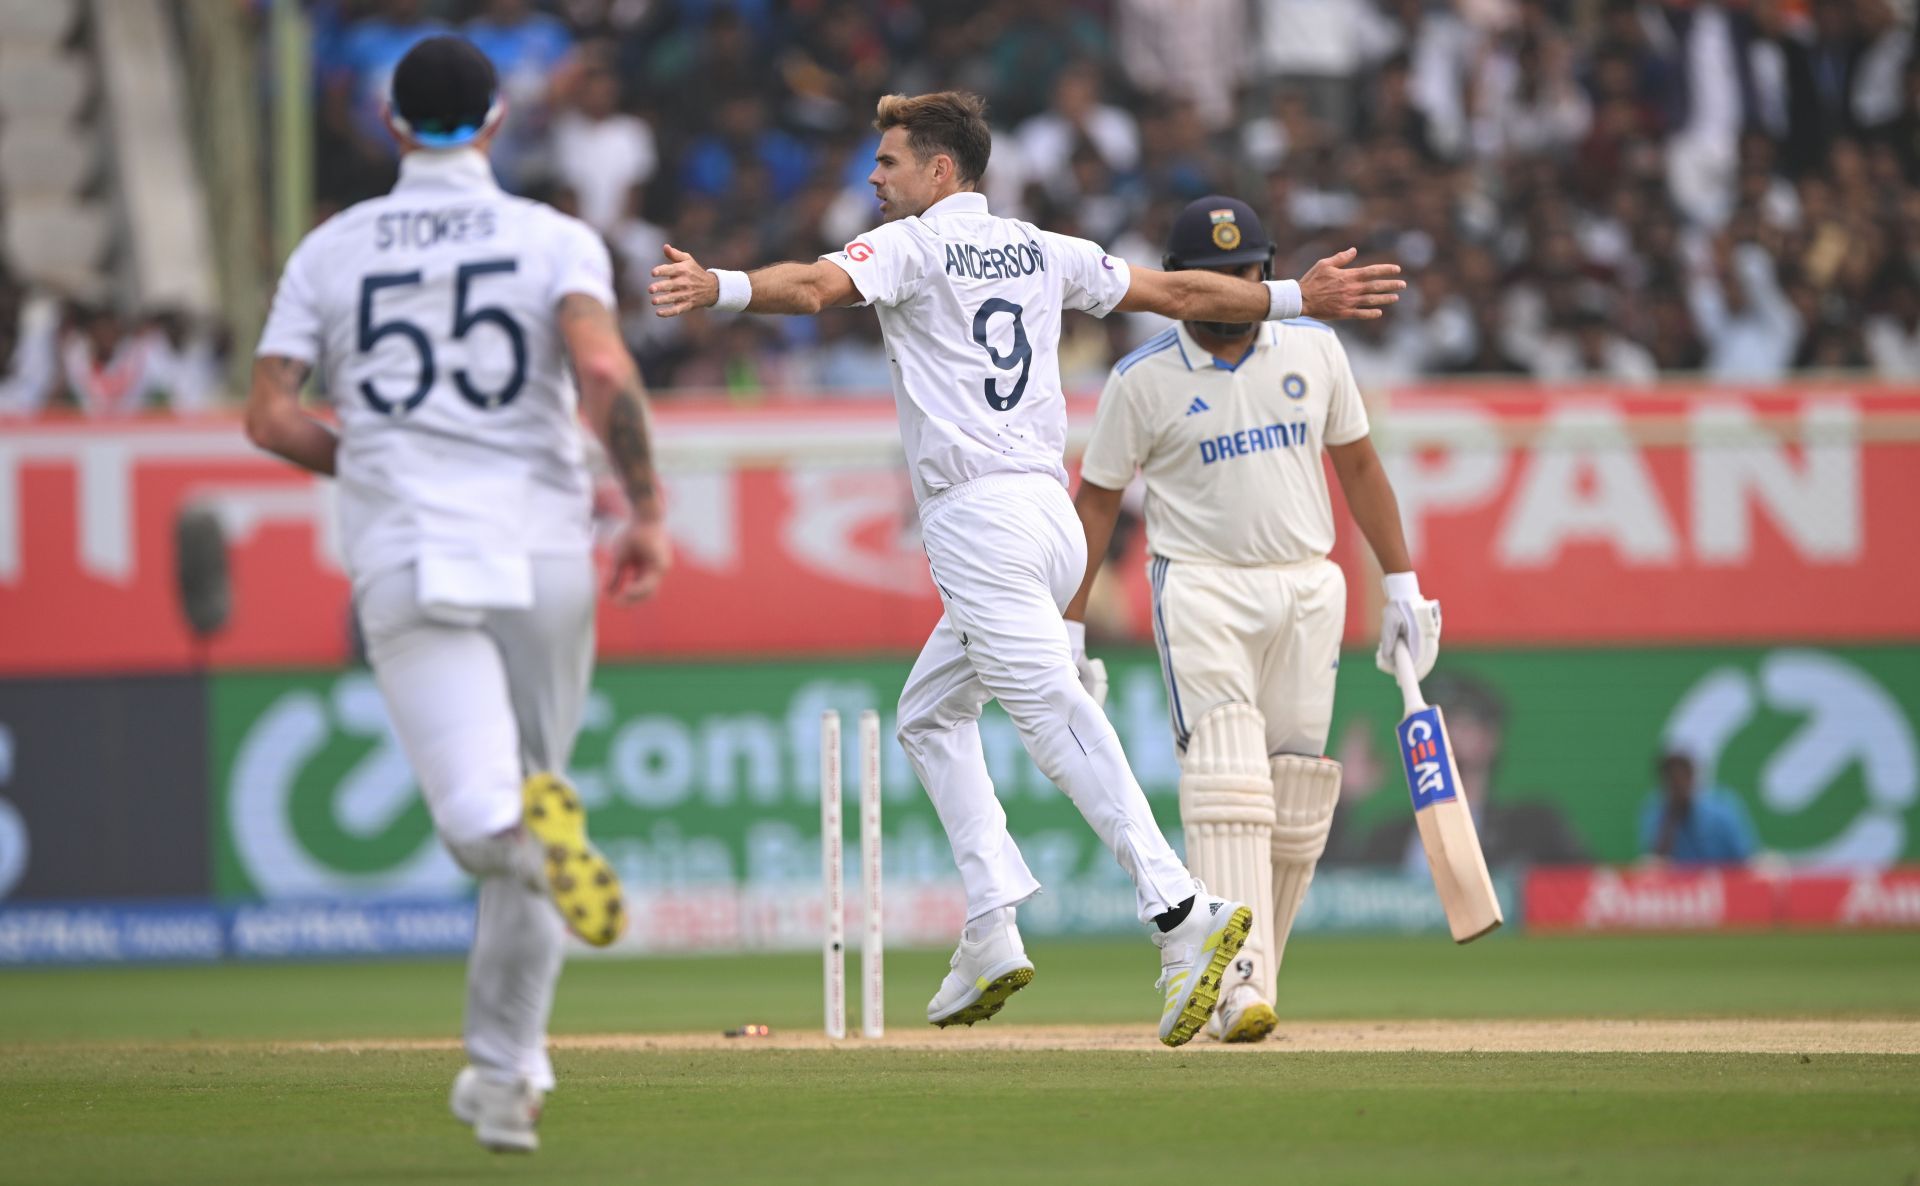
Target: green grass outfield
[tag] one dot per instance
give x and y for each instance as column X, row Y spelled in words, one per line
column 166, row 1075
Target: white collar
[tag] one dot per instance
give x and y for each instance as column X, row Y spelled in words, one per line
column 964, row 202
column 445, row 168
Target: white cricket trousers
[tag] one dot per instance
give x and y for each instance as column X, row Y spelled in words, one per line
column 1267, row 636
column 480, row 699
column 1007, row 552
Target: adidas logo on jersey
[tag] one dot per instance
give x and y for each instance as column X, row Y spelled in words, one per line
column 1197, row 406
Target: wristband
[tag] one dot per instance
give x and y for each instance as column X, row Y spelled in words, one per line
column 1283, row 299
column 736, row 290
column 1402, row 586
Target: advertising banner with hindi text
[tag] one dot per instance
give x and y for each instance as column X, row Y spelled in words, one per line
column 1562, row 519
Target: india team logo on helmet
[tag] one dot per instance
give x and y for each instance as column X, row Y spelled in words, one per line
column 1226, row 233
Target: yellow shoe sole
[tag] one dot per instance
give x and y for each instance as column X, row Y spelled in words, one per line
column 1206, row 994
column 1254, row 1024
column 992, row 998
column 580, row 881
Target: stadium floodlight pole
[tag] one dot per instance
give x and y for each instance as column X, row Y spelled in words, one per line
column 292, row 126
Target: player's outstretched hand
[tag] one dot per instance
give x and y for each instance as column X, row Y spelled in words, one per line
column 642, row 554
column 1332, row 291
column 681, row 285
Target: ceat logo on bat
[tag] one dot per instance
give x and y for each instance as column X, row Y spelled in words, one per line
column 1423, row 751
column 859, row 252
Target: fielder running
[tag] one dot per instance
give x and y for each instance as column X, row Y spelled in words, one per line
column 970, row 307
column 443, row 317
column 1226, row 418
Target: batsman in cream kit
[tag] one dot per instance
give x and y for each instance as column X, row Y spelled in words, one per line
column 1226, row 421
column 970, row 307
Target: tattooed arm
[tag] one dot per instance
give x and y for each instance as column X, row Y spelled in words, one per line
column 277, row 423
column 614, row 402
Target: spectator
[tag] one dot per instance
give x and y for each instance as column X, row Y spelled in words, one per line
column 1883, row 48
column 1287, row 129
column 1322, row 46
column 186, row 361
column 600, row 152
column 1077, row 118
column 833, row 64
column 1730, row 181
column 109, row 373
column 1893, row 335
column 741, row 139
column 1191, row 49
column 1528, row 102
column 355, row 80
column 29, row 354
column 1690, row 825
column 1751, row 330
column 1025, row 47
column 527, row 49
column 1587, row 347
column 1703, row 155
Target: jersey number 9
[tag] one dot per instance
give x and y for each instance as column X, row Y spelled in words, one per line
column 464, row 319
column 1020, row 356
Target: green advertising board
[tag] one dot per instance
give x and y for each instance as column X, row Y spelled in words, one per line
column 705, row 774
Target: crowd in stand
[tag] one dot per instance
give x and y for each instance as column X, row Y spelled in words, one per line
column 1578, row 189
column 65, row 354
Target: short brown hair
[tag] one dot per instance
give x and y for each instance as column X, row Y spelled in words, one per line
column 953, row 122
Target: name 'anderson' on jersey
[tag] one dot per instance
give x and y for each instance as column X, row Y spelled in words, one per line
column 1231, row 454
column 970, row 305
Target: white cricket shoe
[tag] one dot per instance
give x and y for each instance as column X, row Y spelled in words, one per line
column 1241, row 1016
column 503, row 1115
column 985, row 973
column 1193, row 958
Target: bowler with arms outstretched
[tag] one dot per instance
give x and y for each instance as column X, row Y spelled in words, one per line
column 970, row 307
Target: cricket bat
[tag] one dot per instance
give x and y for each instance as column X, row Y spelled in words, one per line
column 1446, row 826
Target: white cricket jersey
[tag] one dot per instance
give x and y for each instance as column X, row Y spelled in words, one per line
column 1231, row 454
column 970, row 305
column 430, row 314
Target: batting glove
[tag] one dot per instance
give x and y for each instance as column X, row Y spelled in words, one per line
column 1092, row 672
column 1412, row 618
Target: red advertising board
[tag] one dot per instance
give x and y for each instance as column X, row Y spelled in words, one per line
column 1600, row 899
column 1717, row 899
column 1700, row 515
column 1697, row 516
column 1889, row 898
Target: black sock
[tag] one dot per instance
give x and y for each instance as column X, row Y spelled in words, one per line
column 1174, row 917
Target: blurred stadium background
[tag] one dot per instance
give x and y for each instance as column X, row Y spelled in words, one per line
column 1652, row 408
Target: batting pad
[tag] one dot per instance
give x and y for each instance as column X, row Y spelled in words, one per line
column 1305, row 792
column 1226, row 811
